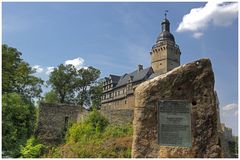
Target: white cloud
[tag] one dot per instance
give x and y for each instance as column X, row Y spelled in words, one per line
column 49, row 70
column 197, row 35
column 77, row 62
column 214, row 12
column 229, row 107
column 38, row 68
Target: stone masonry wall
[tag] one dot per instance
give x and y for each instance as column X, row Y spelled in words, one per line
column 124, row 103
column 53, row 120
column 118, row 116
column 119, row 111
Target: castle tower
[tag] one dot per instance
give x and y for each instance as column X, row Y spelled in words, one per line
column 165, row 54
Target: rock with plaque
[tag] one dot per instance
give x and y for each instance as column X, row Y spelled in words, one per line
column 174, row 123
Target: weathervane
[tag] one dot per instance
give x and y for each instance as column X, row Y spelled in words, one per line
column 166, row 11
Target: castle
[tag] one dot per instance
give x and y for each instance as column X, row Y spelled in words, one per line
column 118, row 99
column 118, row 91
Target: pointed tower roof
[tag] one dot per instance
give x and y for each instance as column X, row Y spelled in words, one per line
column 165, row 35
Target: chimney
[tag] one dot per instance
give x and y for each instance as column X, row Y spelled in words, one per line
column 140, row 67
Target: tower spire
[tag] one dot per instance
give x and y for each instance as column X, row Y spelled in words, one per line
column 166, row 11
column 165, row 23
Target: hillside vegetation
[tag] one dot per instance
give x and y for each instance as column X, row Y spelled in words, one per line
column 94, row 138
column 22, row 93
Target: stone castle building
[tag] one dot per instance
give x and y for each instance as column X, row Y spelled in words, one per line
column 118, row 100
column 118, row 91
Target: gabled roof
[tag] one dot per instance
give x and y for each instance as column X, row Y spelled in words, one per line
column 134, row 76
column 114, row 78
column 123, row 80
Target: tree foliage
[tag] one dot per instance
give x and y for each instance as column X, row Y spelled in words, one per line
column 17, row 75
column 51, row 97
column 18, row 120
column 19, row 88
column 86, row 78
column 93, row 125
column 62, row 81
column 32, row 149
column 75, row 86
column 96, row 93
column 96, row 120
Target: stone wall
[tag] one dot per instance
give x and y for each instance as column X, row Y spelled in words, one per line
column 124, row 103
column 118, row 116
column 224, row 145
column 193, row 82
column 53, row 120
column 119, row 111
column 227, row 132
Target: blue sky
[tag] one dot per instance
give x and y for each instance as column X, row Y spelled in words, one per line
column 116, row 37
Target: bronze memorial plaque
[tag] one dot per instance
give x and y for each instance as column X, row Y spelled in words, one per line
column 174, row 123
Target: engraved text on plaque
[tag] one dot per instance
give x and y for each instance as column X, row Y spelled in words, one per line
column 174, row 123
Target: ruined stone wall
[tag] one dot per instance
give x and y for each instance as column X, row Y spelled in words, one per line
column 193, row 82
column 53, row 120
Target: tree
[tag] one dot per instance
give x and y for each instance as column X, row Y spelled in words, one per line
column 19, row 87
column 17, row 75
column 96, row 93
column 74, row 86
column 51, row 97
column 85, row 81
column 18, row 120
column 63, row 81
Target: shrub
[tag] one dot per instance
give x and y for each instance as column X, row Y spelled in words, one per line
column 95, row 138
column 97, row 121
column 79, row 132
column 93, row 126
column 32, row 149
column 118, row 130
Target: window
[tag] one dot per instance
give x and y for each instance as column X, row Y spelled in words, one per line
column 65, row 124
column 66, row 120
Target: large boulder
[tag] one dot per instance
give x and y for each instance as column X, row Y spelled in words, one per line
column 193, row 82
